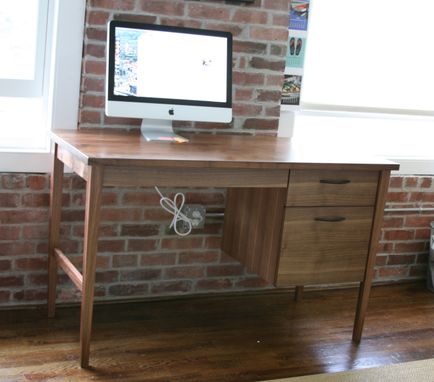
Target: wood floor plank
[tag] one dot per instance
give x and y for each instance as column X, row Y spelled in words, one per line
column 223, row 338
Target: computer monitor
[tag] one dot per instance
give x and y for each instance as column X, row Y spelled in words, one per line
column 165, row 73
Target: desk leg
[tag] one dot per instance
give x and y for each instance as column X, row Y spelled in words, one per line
column 365, row 285
column 91, row 225
column 53, row 241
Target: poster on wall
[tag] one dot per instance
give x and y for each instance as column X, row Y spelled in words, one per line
column 299, row 14
column 291, row 90
column 295, row 52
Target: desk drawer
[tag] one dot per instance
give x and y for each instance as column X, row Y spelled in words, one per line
column 324, row 245
column 332, row 188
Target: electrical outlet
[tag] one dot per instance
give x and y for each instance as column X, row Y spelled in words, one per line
column 196, row 214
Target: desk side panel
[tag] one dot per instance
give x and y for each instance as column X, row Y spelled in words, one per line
column 253, row 228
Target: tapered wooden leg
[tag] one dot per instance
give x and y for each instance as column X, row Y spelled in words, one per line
column 55, row 211
column 365, row 285
column 298, row 292
column 91, row 224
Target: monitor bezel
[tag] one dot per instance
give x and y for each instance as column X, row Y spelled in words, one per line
column 113, row 24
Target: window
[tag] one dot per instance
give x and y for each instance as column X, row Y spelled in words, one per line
column 368, row 78
column 39, row 77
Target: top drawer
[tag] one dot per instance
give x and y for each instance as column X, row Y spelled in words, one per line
column 332, row 188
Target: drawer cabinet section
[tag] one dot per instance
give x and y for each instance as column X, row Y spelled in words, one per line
column 324, row 245
column 332, row 188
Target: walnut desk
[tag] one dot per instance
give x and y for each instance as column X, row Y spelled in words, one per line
column 292, row 218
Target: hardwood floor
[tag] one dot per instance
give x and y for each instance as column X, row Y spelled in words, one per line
column 225, row 338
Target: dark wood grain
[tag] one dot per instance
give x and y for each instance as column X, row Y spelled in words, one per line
column 222, row 338
column 253, row 227
column 116, row 148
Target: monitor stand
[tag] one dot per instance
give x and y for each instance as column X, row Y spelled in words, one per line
column 160, row 130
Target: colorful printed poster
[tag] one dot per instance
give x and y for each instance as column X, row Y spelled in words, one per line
column 291, row 90
column 296, row 50
column 298, row 15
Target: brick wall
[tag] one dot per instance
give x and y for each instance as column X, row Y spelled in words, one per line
column 260, row 35
column 139, row 258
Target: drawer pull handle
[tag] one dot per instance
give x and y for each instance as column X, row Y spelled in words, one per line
column 335, row 181
column 330, row 219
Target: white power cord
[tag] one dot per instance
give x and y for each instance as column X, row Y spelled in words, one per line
column 172, row 207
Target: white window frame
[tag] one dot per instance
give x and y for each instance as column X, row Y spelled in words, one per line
column 62, row 78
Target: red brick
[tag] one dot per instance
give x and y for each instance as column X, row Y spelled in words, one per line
column 380, row 260
column 274, row 80
column 5, row 265
column 213, row 242
column 90, row 116
column 171, row 286
column 399, row 235
column 141, row 245
column 201, row 11
column 125, row 5
column 263, row 63
column 97, row 34
column 181, row 22
column 392, row 222
column 397, row 196
column 140, row 275
column 121, row 214
column 278, row 50
column 140, row 18
column 13, row 181
column 425, row 182
column 9, row 233
column 199, row 257
column 16, row 248
column 111, row 246
column 273, row 111
column 281, row 20
column 128, row 290
column 235, row 29
column 36, row 200
column 242, row 94
column 31, row 295
column 156, row 215
column 422, row 234
column 207, row 284
column 276, row 4
column 35, row 231
column 410, row 181
column 122, row 121
column 139, row 230
column 269, row 95
column 250, row 16
column 93, row 84
column 31, row 264
column 242, row 78
column 141, row 198
column 385, row 247
column 95, row 101
column 393, row 272
column 72, row 215
column 396, row 182
column 212, row 125
column 158, row 259
column 167, row 8
column 261, row 124
column 246, row 110
column 225, row 270
column 36, row 182
column 4, row 296
column 427, row 197
column 120, row 261
column 411, row 247
column 181, row 243
column 188, row 272
column 11, row 281
column 95, row 50
column 418, row 221
column 268, row 34
column 97, row 17
column 401, row 259
column 106, row 277
column 249, row 47
column 8, row 200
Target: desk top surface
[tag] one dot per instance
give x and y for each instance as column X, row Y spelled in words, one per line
column 122, row 148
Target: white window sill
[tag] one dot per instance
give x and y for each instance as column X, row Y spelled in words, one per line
column 28, row 162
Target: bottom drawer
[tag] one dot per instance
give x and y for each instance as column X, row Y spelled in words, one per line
column 324, row 245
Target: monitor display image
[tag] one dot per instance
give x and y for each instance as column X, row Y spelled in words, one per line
column 161, row 73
